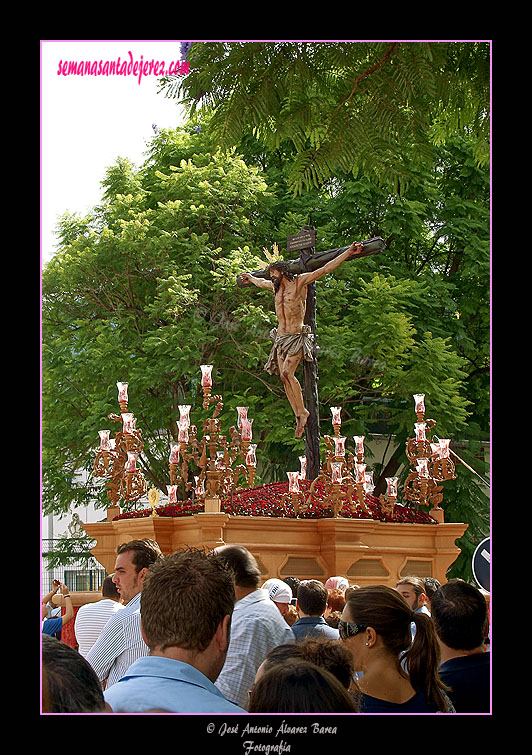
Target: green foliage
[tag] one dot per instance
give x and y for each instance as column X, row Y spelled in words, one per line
column 69, row 551
column 143, row 290
column 348, row 107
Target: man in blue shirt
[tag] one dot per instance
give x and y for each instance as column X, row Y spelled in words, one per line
column 186, row 606
column 311, row 603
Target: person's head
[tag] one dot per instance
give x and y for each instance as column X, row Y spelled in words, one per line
column 186, row 605
column 312, row 597
column 243, row 565
column 350, row 590
column 431, row 584
column 133, row 559
column 293, row 584
column 322, row 651
column 277, row 271
column 337, row 583
column 460, row 613
column 297, row 686
column 376, row 626
column 375, row 618
column 291, row 616
column 413, row 591
column 69, row 683
column 280, row 593
column 335, row 600
column 109, row 589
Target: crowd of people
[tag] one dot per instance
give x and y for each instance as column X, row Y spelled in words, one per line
column 199, row 631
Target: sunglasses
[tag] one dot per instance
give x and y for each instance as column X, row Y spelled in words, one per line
column 350, row 629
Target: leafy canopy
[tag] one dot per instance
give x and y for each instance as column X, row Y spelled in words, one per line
column 348, row 107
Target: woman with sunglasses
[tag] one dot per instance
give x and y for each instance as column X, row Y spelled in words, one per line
column 397, row 675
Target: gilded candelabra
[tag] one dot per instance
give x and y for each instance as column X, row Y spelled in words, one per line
column 214, row 454
column 430, row 463
column 343, row 469
column 116, row 459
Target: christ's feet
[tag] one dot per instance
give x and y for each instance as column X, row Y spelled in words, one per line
column 301, row 422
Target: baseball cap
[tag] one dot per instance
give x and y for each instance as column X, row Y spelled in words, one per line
column 278, row 590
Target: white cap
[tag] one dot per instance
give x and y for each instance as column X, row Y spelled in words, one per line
column 337, row 583
column 278, row 590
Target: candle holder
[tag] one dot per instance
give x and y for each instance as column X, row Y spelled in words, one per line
column 206, row 386
column 116, row 458
column 214, row 454
column 389, row 499
column 295, row 495
column 430, row 464
column 343, row 473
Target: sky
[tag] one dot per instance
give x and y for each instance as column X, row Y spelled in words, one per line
column 87, row 122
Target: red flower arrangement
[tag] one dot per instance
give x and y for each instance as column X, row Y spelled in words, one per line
column 265, row 500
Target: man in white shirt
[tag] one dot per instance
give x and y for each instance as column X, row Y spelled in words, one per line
column 120, row 643
column 256, row 626
column 92, row 617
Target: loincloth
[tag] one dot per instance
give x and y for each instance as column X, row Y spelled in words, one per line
column 290, row 344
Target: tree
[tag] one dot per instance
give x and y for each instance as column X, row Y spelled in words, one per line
column 143, row 289
column 136, row 293
column 348, row 107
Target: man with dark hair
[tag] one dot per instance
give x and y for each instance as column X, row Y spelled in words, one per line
column 120, row 642
column 413, row 591
column 92, row 617
column 292, row 339
column 431, row 584
column 311, row 603
column 460, row 613
column 69, row 684
column 186, row 606
column 257, row 626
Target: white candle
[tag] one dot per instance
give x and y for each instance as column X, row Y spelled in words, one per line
column 360, row 470
column 422, row 468
column 339, row 446
column 359, row 444
column 419, row 399
column 293, row 482
column 369, row 487
column 246, row 429
column 122, row 391
column 444, row 448
column 131, row 460
column 184, row 414
column 206, row 377
column 336, row 411
column 419, row 428
column 242, row 414
column 174, row 453
column 104, row 440
column 128, row 422
column 183, row 432
column 336, row 471
column 251, row 460
column 391, row 489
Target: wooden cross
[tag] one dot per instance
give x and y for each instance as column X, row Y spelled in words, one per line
column 308, row 261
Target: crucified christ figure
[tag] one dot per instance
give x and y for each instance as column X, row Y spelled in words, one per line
column 293, row 341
